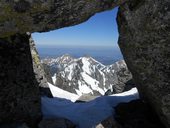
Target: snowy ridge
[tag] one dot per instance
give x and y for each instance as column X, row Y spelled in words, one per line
column 86, row 75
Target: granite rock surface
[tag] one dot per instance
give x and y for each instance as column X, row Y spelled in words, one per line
column 144, row 28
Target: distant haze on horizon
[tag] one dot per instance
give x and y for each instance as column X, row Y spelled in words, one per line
column 100, row 30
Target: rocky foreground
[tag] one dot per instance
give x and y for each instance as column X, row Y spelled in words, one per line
column 144, row 36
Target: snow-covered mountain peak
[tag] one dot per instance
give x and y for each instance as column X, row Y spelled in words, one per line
column 66, row 58
column 86, row 75
column 90, row 60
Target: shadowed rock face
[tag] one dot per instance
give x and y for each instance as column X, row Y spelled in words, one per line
column 144, row 27
column 19, row 93
column 136, row 114
column 20, row 16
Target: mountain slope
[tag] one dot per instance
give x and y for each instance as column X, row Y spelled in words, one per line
column 86, row 75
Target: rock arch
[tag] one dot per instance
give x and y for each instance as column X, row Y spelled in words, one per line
column 144, row 28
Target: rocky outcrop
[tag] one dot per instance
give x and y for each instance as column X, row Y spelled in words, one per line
column 19, row 95
column 20, row 16
column 108, row 123
column 48, row 75
column 38, row 68
column 144, row 28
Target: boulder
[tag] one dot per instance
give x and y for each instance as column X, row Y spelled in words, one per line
column 144, row 28
column 108, row 123
column 136, row 114
column 85, row 98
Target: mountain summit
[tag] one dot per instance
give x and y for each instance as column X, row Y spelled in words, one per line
column 85, row 75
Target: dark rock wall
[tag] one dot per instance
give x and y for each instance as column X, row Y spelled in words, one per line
column 19, row 95
column 136, row 114
column 20, row 16
column 144, row 28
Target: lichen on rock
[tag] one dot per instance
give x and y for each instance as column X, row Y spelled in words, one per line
column 38, row 68
column 20, row 16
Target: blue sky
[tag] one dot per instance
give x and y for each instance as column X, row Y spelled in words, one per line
column 99, row 30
